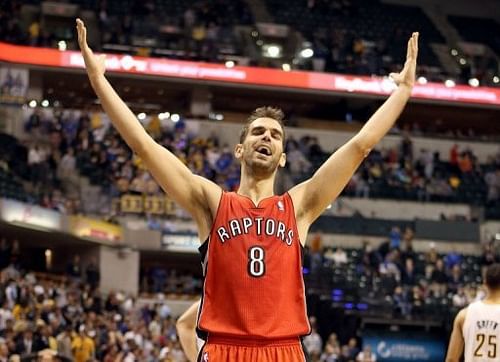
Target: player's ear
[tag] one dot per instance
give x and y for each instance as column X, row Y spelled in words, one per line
column 282, row 162
column 238, row 151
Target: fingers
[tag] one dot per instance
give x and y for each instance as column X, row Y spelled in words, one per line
column 414, row 45
column 82, row 33
column 412, row 49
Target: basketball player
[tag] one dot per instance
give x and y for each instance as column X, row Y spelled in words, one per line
column 253, row 306
column 476, row 330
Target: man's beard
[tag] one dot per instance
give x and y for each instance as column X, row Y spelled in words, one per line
column 261, row 168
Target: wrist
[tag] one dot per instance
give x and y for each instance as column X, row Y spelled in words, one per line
column 95, row 79
column 406, row 88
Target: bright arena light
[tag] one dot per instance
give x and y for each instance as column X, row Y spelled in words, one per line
column 141, row 116
column 462, row 61
column 449, row 83
column 175, row 117
column 422, row 80
column 45, row 103
column 496, row 79
column 229, row 64
column 61, row 45
column 474, row 82
column 273, row 51
column 163, row 115
column 286, row 67
column 454, row 52
column 306, row 53
column 32, row 104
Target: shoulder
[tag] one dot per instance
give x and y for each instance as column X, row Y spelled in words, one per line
column 460, row 318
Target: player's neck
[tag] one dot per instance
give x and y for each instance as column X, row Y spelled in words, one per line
column 256, row 189
column 493, row 297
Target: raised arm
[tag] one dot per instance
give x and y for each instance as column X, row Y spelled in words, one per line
column 197, row 195
column 456, row 345
column 312, row 196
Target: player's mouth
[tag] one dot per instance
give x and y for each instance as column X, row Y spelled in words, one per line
column 264, row 150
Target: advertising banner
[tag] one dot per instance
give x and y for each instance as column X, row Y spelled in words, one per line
column 402, row 347
column 155, row 205
column 96, row 229
column 15, row 211
column 249, row 75
column 184, row 243
column 13, row 84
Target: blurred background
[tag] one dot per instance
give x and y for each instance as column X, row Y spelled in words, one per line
column 97, row 263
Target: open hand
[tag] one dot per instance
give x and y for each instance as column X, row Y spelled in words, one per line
column 407, row 76
column 95, row 64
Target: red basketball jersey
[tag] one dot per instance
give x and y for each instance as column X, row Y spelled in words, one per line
column 253, row 270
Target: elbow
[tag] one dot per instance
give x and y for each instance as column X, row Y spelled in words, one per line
column 179, row 327
column 141, row 147
column 364, row 146
column 181, row 321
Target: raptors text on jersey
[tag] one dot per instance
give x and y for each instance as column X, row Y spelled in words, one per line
column 252, row 262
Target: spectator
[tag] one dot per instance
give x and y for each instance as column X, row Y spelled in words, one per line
column 92, row 273
column 407, row 249
column 489, row 257
column 366, row 355
column 353, row 348
column 389, row 268
column 460, row 298
column 402, row 304
column 313, row 342
column 340, row 256
column 452, row 258
column 456, row 279
column 24, row 344
column 64, row 342
column 408, row 276
column 44, row 339
column 74, row 268
column 331, row 352
column 36, row 161
column 67, row 167
column 439, row 275
column 492, row 180
column 296, row 161
column 82, row 346
column 345, row 355
column 395, row 237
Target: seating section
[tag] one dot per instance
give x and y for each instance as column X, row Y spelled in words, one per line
column 364, row 282
column 388, row 25
column 11, row 172
column 477, row 30
column 352, row 36
column 84, row 143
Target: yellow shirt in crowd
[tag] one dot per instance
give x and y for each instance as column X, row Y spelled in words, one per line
column 83, row 348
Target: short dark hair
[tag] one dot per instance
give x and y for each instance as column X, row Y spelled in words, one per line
column 492, row 276
column 264, row 112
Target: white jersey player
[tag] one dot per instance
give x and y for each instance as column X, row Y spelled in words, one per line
column 476, row 331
